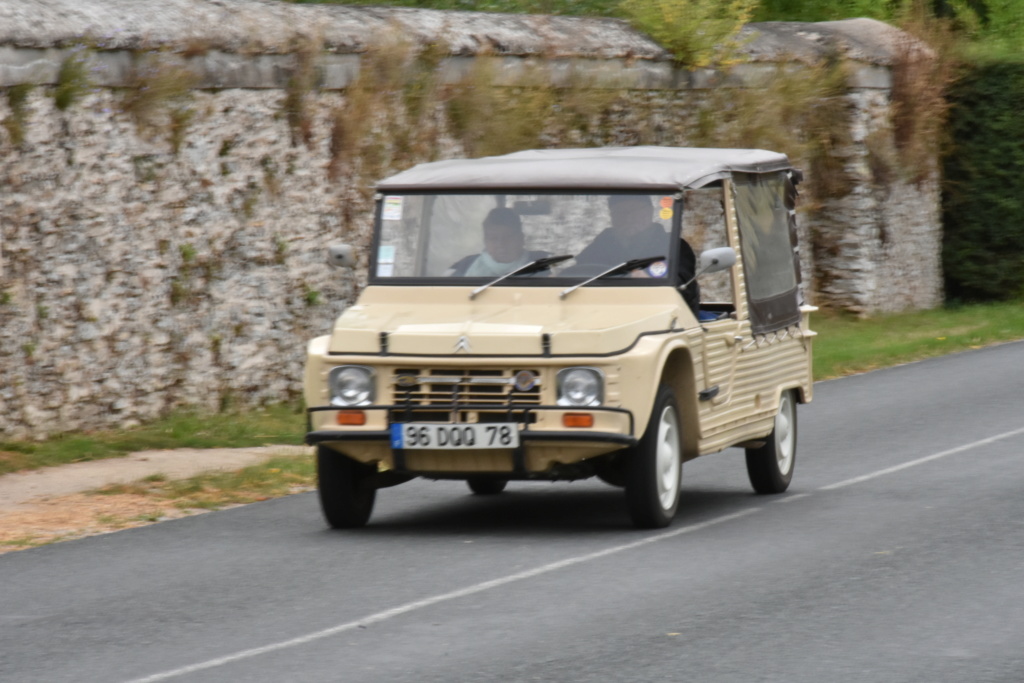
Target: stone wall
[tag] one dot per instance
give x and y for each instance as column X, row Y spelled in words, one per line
column 161, row 237
column 135, row 279
column 877, row 249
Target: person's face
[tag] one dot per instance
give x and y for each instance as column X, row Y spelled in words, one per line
column 503, row 242
column 629, row 216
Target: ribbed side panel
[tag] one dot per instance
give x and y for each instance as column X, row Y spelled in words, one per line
column 741, row 432
column 751, row 393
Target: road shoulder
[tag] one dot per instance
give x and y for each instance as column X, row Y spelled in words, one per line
column 53, row 504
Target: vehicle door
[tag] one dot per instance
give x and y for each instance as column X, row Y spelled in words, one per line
column 709, row 222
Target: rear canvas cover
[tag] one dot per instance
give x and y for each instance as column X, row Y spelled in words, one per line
column 764, row 204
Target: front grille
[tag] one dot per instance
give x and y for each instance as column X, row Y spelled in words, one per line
column 519, row 416
column 433, row 393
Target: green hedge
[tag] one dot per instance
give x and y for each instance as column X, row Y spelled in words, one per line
column 983, row 198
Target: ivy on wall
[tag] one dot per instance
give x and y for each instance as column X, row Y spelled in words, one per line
column 697, row 32
column 399, row 112
column 983, row 203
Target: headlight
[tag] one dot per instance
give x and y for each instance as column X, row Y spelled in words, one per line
column 580, row 387
column 351, row 385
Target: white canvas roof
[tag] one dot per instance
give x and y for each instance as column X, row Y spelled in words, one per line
column 599, row 168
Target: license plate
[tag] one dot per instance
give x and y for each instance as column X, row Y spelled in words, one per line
column 459, row 437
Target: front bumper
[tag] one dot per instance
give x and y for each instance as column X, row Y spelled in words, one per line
column 573, row 444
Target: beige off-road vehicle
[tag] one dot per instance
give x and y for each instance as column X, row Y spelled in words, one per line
column 562, row 314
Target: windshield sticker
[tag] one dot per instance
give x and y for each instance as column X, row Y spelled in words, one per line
column 665, row 203
column 665, row 214
column 385, row 269
column 657, row 269
column 386, row 253
column 392, row 209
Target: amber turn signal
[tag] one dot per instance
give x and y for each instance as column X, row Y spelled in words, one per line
column 578, row 420
column 351, row 417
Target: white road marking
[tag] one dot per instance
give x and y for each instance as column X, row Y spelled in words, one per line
column 921, row 461
column 434, row 600
column 791, row 498
column 543, row 569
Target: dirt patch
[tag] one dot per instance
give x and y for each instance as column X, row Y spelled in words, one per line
column 52, row 504
column 80, row 515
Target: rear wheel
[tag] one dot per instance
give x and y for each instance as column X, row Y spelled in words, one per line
column 485, row 486
column 770, row 467
column 654, row 468
column 345, row 502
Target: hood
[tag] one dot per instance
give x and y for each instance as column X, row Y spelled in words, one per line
column 502, row 321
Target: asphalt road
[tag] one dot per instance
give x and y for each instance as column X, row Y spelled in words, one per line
column 897, row 555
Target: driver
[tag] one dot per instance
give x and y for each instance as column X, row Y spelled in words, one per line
column 634, row 235
column 504, row 247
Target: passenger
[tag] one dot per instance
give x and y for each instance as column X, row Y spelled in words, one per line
column 633, row 234
column 504, row 248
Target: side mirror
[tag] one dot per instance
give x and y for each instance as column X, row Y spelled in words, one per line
column 713, row 261
column 341, row 256
column 716, row 260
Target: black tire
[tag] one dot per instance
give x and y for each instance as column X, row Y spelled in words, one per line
column 346, row 504
column 770, row 467
column 486, row 486
column 654, row 468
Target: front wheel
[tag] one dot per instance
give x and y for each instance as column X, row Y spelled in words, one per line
column 770, row 467
column 654, row 468
column 345, row 502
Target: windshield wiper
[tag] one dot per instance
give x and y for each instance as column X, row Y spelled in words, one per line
column 531, row 267
column 624, row 267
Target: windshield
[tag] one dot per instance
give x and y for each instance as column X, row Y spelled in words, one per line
column 486, row 236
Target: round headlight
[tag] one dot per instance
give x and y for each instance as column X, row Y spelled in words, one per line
column 351, row 385
column 580, row 387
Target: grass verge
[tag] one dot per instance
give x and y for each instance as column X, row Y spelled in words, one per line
column 283, row 424
column 215, row 490
column 846, row 345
